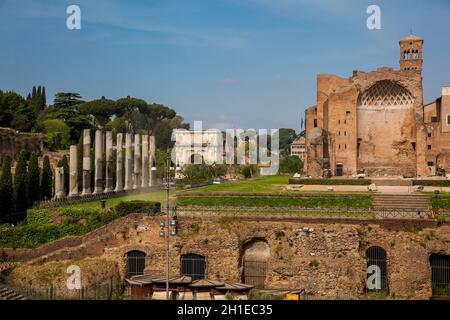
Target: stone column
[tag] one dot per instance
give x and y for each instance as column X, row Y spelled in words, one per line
column 109, row 163
column 59, row 183
column 86, row 162
column 145, row 156
column 128, row 162
column 152, row 160
column 137, row 162
column 98, row 162
column 119, row 163
column 73, row 180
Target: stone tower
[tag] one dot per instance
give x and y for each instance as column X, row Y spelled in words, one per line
column 411, row 53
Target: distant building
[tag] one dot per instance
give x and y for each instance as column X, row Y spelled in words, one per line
column 298, row 148
column 376, row 122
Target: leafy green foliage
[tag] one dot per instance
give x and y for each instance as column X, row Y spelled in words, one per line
column 249, row 171
column 6, row 190
column 287, row 136
column 38, row 228
column 195, row 173
column 137, row 206
column 20, row 183
column 33, row 179
column 65, row 100
column 46, row 180
column 432, row 183
column 440, row 203
column 102, row 109
column 57, row 134
column 291, row 165
column 16, row 112
column 38, row 217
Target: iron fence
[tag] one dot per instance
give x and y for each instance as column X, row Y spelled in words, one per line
column 335, row 212
column 440, row 276
column 255, row 273
column 52, row 203
column 193, row 265
column 106, row 289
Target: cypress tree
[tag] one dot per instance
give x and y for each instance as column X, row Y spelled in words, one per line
column 20, row 186
column 33, row 93
column 29, row 97
column 80, row 163
column 46, row 180
column 64, row 163
column 6, row 190
column 34, row 176
column 39, row 93
column 43, row 98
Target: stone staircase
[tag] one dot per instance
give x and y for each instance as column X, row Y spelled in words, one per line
column 8, row 294
column 401, row 201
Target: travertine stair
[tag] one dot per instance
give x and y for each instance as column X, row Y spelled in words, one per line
column 8, row 294
column 401, row 201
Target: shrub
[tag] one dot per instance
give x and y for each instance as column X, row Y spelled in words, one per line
column 432, row 183
column 328, row 182
column 138, row 206
column 38, row 217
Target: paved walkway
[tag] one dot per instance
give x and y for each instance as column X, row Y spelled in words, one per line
column 381, row 189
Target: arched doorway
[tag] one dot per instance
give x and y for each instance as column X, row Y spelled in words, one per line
column 135, row 263
column 440, row 276
column 256, row 254
column 377, row 256
column 193, row 265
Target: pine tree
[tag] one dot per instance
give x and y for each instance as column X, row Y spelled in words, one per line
column 34, row 176
column 20, row 186
column 64, row 163
column 6, row 190
column 46, row 180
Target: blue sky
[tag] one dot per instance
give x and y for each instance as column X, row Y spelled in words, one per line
column 229, row 63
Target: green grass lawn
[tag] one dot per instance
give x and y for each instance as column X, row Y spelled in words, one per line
column 260, row 184
column 159, row 196
column 304, row 202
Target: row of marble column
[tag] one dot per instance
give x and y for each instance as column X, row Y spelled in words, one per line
column 138, row 165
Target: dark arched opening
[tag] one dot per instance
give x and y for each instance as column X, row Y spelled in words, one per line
column 193, row 265
column 135, row 263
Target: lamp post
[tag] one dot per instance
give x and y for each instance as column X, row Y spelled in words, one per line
column 168, row 227
column 168, row 223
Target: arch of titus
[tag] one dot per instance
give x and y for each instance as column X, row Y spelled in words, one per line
column 137, row 162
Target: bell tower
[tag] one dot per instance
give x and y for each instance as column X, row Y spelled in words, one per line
column 411, row 53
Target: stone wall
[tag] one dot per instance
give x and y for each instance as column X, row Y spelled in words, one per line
column 12, row 142
column 323, row 257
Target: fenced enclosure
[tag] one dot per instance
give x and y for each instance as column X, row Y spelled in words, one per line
column 377, row 256
column 440, row 276
column 106, row 289
column 337, row 212
column 255, row 273
column 135, row 263
column 193, row 265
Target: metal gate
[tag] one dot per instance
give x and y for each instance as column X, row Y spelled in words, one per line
column 440, row 276
column 135, row 263
column 255, row 273
column 376, row 256
column 193, row 265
